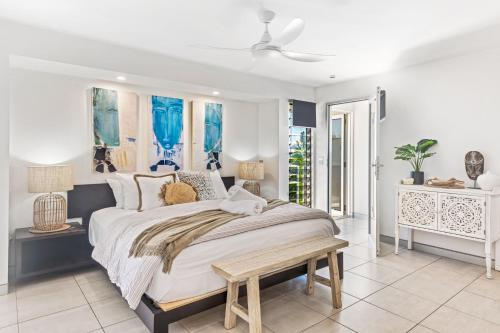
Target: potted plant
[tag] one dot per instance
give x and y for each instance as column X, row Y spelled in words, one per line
column 416, row 155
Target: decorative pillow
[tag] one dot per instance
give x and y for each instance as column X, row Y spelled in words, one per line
column 219, row 187
column 129, row 190
column 200, row 182
column 116, row 187
column 177, row 193
column 150, row 190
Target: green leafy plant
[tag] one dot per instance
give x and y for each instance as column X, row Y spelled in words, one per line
column 415, row 155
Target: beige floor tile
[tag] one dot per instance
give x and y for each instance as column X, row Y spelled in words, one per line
column 329, row 326
column 355, row 237
column 363, row 317
column 358, row 251
column 454, row 269
column 112, row 310
column 98, row 290
column 351, row 262
column 379, row 273
column 45, row 285
column 477, row 306
column 8, row 310
column 10, row 329
column 402, row 303
column 359, row 286
column 218, row 327
column 285, row 315
column 406, row 261
column 134, row 325
column 486, row 287
column 202, row 319
column 421, row 329
column 49, row 301
column 429, row 286
column 448, row 320
column 91, row 275
column 76, row 320
column 321, row 301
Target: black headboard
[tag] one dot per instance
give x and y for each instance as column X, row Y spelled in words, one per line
column 83, row 200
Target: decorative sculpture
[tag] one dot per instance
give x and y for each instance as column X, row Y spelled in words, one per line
column 474, row 165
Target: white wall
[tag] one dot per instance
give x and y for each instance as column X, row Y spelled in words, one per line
column 4, row 166
column 50, row 124
column 268, row 147
column 454, row 101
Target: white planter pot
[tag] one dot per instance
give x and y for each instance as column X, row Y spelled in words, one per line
column 488, row 181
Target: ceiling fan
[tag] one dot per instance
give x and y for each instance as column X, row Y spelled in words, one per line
column 269, row 47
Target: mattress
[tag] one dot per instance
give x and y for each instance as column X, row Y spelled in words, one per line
column 191, row 274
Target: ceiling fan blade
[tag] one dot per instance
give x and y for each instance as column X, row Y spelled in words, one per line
column 210, row 47
column 304, row 57
column 290, row 33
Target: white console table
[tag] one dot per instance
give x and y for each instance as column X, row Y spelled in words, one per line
column 469, row 213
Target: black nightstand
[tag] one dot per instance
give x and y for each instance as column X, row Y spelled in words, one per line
column 38, row 254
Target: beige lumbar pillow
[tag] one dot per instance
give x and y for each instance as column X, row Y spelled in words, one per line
column 178, row 193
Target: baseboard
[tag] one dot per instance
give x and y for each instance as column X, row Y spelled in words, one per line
column 4, row 289
column 439, row 251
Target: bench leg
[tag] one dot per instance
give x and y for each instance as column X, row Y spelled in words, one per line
column 311, row 270
column 232, row 298
column 253, row 294
column 334, row 280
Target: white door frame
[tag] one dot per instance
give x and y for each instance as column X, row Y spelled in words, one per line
column 350, row 176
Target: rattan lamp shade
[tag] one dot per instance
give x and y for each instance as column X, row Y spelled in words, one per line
column 50, row 210
column 252, row 171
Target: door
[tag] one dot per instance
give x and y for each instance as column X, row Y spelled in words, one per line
column 337, row 165
column 374, row 174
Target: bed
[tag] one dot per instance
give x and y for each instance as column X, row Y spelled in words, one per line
column 191, row 286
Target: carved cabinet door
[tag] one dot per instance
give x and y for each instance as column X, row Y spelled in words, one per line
column 462, row 215
column 418, row 208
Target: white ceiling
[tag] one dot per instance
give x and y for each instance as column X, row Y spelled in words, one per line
column 368, row 36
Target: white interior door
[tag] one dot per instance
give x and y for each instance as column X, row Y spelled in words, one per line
column 374, row 174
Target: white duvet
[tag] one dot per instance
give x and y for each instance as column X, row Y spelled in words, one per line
column 113, row 230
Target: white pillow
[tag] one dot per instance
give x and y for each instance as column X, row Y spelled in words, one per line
column 129, row 189
column 219, row 187
column 150, row 189
column 116, row 187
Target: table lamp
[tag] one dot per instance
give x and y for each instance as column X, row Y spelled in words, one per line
column 49, row 210
column 251, row 172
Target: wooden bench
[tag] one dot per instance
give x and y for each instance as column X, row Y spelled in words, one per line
column 249, row 267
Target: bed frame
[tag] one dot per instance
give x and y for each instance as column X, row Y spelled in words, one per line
column 83, row 200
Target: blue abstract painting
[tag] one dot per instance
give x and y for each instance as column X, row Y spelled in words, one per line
column 105, row 117
column 213, row 134
column 213, row 128
column 166, row 152
column 114, row 120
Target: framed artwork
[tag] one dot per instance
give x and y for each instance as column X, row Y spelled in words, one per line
column 114, row 124
column 207, row 136
column 166, row 147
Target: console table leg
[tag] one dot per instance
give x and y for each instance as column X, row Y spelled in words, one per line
column 396, row 239
column 410, row 239
column 487, row 251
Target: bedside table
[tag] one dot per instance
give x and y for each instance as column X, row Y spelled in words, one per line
column 38, row 254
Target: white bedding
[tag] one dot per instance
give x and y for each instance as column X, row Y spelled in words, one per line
column 191, row 273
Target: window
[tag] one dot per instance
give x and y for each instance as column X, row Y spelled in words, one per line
column 299, row 163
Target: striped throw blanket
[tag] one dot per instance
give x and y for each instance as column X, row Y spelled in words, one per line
column 167, row 239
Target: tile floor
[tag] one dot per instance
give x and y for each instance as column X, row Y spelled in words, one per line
column 412, row 292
